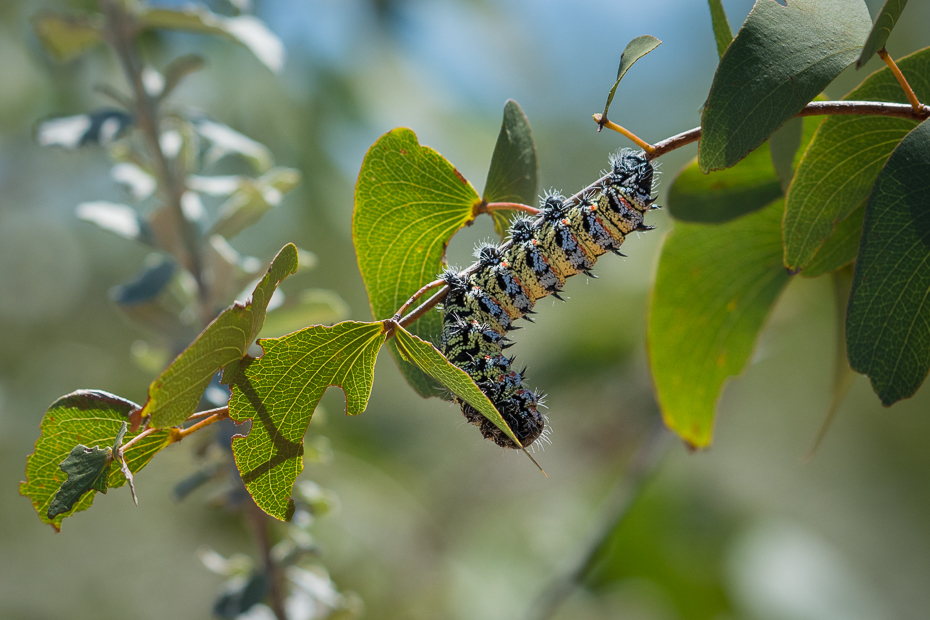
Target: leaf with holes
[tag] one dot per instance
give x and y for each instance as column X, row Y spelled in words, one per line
column 278, row 393
column 409, row 201
column 514, row 172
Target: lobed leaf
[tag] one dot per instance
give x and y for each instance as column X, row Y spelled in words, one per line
column 428, row 359
column 634, row 50
column 409, row 201
column 714, row 288
column 881, row 30
column 888, row 320
column 723, row 35
column 90, row 418
column 174, row 395
column 514, row 172
column 278, row 393
column 68, row 36
column 781, row 59
column 247, row 30
column 839, row 168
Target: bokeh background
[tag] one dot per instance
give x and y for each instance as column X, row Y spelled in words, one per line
column 435, row 522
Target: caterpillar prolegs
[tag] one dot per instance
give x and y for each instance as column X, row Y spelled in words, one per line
column 503, row 286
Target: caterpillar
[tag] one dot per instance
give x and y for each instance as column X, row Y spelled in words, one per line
column 483, row 302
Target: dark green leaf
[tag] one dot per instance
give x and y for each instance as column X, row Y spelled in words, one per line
column 68, row 36
column 88, row 470
column 884, row 24
column 837, row 172
column 247, row 30
column 840, row 249
column 888, row 322
column 722, row 33
column 89, row 418
column 432, row 362
column 409, row 201
column 635, row 49
column 713, row 291
column 279, row 392
column 514, row 172
column 781, row 59
column 783, row 146
column 174, row 395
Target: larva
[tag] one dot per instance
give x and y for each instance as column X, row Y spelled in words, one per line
column 504, row 285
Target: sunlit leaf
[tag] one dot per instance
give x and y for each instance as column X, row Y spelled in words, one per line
column 888, row 322
column 714, row 288
column 634, row 50
column 514, row 172
column 781, row 59
column 68, row 36
column 428, row 359
column 837, row 172
column 409, row 201
column 881, row 30
column 116, row 218
column 90, row 418
column 279, row 392
column 174, row 395
column 723, row 35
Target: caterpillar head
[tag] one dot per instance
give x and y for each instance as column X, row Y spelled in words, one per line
column 521, row 229
column 634, row 174
column 455, row 282
column 488, row 254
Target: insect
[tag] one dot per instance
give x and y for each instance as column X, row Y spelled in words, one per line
column 503, row 286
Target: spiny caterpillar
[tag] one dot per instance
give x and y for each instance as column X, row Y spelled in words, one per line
column 505, row 283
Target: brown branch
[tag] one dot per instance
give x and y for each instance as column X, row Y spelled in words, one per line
column 908, row 91
column 414, row 297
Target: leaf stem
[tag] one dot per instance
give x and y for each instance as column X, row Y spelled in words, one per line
column 487, row 207
column 908, row 91
column 221, row 414
column 603, row 122
column 414, row 297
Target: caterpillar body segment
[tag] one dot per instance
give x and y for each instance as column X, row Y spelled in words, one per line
column 507, row 281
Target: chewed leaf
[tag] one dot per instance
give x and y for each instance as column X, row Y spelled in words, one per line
column 279, row 392
column 432, row 362
column 90, row 418
column 176, row 392
column 409, row 201
column 884, row 23
column 87, row 470
column 634, row 50
column 781, row 59
column 713, row 291
column 514, row 172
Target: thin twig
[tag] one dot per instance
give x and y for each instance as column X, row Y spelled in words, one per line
column 908, row 91
column 414, row 297
column 644, row 463
column 216, row 417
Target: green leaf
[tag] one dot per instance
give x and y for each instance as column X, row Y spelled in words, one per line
column 279, row 392
column 409, row 201
column 783, row 146
column 174, row 395
column 781, row 59
column 88, row 470
column 881, row 30
column 635, row 49
column 722, row 33
column 840, row 249
column 432, row 362
column 90, row 418
column 838, row 169
column 888, row 321
column 514, row 172
column 68, row 36
column 713, row 291
column 247, row 30
column 312, row 307
column 178, row 69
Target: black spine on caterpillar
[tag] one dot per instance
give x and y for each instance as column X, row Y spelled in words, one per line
column 565, row 240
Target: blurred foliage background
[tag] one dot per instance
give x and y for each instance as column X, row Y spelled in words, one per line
column 436, row 522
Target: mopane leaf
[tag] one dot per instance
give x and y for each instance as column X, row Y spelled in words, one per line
column 713, row 291
column 432, row 362
column 722, row 33
column 279, row 392
column 90, row 418
column 409, row 201
column 68, row 36
column 634, row 50
column 174, row 395
column 88, row 470
column 514, row 172
column 888, row 321
column 246, row 30
column 881, row 30
column 837, row 172
column 781, row 59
